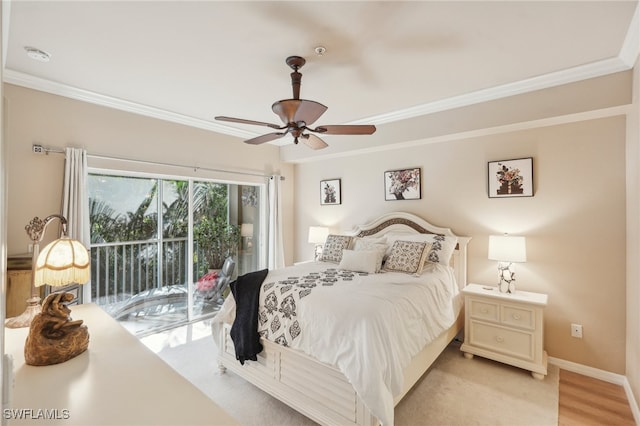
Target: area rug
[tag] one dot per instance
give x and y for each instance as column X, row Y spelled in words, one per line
column 455, row 391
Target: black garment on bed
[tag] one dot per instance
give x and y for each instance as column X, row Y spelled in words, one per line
column 244, row 331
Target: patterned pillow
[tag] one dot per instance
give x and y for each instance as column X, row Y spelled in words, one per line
column 407, row 256
column 442, row 246
column 333, row 246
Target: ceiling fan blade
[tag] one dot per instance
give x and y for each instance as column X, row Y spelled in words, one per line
column 313, row 142
column 296, row 110
column 243, row 121
column 355, row 129
column 265, row 138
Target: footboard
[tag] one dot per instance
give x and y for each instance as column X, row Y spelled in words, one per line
column 286, row 375
column 317, row 390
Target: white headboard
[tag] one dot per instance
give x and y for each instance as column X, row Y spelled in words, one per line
column 412, row 224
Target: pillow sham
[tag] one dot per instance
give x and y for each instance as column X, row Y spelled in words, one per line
column 442, row 246
column 361, row 261
column 407, row 256
column 362, row 243
column 333, row 247
column 377, row 244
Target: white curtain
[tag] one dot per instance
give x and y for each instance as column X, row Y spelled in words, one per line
column 75, row 202
column 275, row 249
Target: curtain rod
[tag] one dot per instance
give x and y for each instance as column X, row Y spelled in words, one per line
column 39, row 149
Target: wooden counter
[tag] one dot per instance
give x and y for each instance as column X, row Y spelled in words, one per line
column 117, row 381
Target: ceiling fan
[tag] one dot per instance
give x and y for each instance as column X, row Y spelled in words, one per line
column 297, row 114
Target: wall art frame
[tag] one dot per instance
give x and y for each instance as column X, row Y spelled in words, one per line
column 330, row 192
column 403, row 184
column 510, row 178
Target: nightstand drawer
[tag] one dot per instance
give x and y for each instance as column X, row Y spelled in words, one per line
column 518, row 316
column 503, row 340
column 482, row 309
column 505, row 327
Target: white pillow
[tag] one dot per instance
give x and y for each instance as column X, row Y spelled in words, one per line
column 368, row 243
column 361, row 261
column 360, row 243
column 442, row 246
column 407, row 256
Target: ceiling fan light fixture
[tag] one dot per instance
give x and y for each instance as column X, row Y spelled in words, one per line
column 296, row 110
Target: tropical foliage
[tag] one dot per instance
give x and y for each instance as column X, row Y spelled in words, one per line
column 217, row 240
column 117, row 269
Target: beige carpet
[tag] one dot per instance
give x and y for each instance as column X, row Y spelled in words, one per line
column 455, row 391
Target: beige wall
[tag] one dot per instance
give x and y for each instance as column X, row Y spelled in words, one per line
column 575, row 223
column 35, row 181
column 633, row 241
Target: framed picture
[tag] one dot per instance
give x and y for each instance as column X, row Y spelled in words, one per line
column 511, row 178
column 404, row 184
column 330, row 192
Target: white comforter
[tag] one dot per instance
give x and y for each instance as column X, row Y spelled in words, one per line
column 369, row 327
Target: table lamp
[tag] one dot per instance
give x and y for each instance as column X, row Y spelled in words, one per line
column 246, row 232
column 318, row 236
column 53, row 336
column 507, row 249
column 75, row 268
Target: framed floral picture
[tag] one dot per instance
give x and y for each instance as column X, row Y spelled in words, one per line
column 330, row 192
column 511, row 178
column 403, row 184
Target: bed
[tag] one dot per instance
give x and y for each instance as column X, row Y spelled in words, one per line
column 348, row 343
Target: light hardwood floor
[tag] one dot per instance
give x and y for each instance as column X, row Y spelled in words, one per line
column 587, row 401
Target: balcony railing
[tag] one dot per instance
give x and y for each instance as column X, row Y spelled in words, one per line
column 121, row 271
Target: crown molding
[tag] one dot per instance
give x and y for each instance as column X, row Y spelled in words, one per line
column 571, row 75
column 630, row 48
column 293, row 156
column 624, row 61
column 48, row 86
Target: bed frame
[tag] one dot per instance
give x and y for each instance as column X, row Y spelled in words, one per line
column 322, row 392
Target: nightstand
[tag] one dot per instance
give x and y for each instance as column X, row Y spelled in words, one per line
column 505, row 327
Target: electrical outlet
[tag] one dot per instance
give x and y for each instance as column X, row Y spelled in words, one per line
column 30, row 248
column 37, row 149
column 576, row 330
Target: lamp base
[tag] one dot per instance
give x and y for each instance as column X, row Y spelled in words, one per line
column 25, row 318
column 507, row 283
column 53, row 336
column 507, row 287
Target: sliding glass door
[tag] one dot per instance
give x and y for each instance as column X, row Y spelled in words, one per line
column 159, row 245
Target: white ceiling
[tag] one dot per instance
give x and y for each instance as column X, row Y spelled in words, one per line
column 385, row 61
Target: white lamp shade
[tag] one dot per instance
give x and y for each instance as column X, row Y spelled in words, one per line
column 62, row 262
column 507, row 248
column 246, row 230
column 318, row 234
